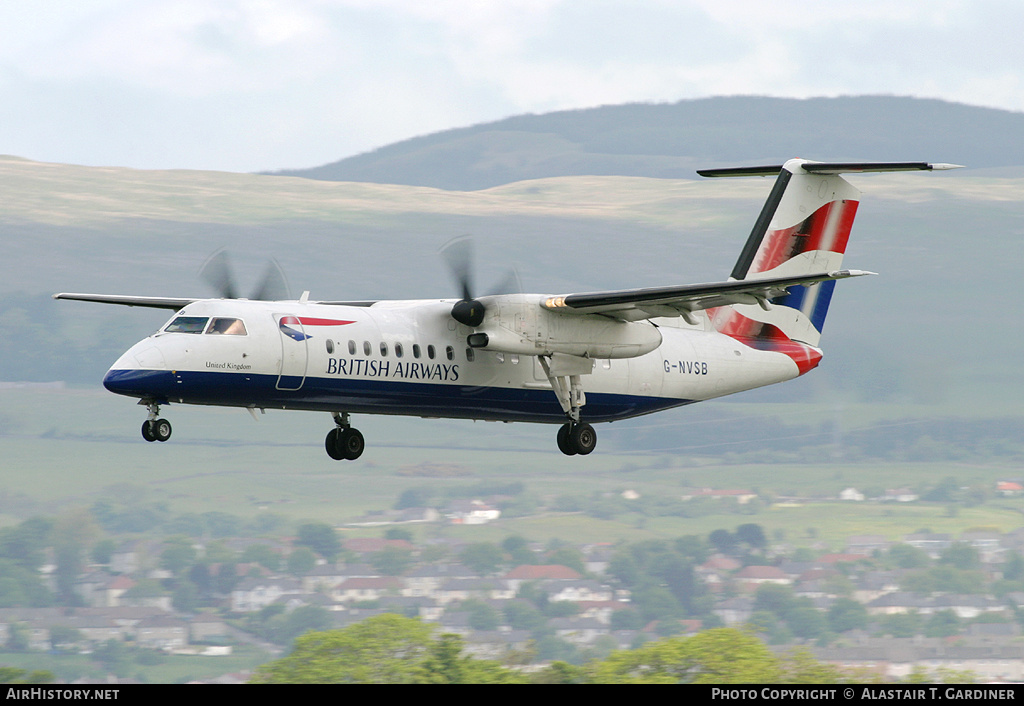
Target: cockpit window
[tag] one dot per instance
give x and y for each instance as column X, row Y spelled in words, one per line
column 227, row 327
column 187, row 324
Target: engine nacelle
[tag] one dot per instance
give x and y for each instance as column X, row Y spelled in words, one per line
column 519, row 324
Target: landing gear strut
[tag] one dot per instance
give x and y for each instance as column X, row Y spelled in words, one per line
column 576, row 438
column 343, row 442
column 154, row 428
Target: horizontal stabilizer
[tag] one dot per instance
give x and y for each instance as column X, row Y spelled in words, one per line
column 635, row 304
column 830, row 168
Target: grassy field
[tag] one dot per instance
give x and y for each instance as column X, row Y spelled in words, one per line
column 172, row 669
column 221, row 460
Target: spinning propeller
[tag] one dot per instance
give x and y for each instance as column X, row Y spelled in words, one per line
column 217, row 272
column 458, row 254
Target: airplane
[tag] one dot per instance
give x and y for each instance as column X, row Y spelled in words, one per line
column 569, row 359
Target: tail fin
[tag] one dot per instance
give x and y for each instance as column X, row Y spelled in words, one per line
column 803, row 228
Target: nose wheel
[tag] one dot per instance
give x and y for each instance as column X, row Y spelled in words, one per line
column 576, row 438
column 344, row 443
column 154, row 428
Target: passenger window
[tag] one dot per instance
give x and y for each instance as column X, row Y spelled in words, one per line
column 351, row 347
column 430, row 352
column 398, row 350
column 187, row 324
column 384, row 349
column 450, row 352
column 366, row 348
column 227, row 327
column 415, row 350
column 470, row 355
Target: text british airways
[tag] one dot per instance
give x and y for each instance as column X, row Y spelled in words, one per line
column 384, row 368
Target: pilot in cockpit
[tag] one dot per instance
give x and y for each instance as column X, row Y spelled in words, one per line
column 227, row 327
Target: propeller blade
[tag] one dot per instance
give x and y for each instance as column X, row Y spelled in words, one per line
column 216, row 272
column 274, row 285
column 458, row 254
column 511, row 284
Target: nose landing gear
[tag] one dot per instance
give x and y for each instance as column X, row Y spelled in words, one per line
column 154, row 428
column 344, row 442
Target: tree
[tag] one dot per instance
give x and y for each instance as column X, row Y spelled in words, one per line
column 302, row 560
column 398, row 533
column 384, row 649
column 13, row 675
column 847, row 614
column 391, row 561
column 178, row 556
column 944, row 623
column 721, row 656
column 321, row 539
column 445, row 664
column 723, row 541
column 482, row 557
column 567, row 556
column 262, row 554
column 961, row 556
column 753, row 536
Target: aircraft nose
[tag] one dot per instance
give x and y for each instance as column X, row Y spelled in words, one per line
column 138, row 383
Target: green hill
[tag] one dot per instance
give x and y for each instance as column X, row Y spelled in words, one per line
column 672, row 140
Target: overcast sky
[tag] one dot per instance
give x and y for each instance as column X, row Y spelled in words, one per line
column 246, row 85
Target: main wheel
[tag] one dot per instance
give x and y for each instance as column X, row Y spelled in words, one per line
column 564, row 442
column 147, row 430
column 351, row 444
column 583, row 438
column 161, row 430
column 332, row 445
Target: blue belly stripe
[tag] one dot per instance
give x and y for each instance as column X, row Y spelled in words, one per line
column 375, row 396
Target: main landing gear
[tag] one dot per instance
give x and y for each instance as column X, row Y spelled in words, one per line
column 343, row 442
column 576, row 438
column 154, row 428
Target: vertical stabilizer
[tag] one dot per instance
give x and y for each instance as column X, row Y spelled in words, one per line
column 803, row 229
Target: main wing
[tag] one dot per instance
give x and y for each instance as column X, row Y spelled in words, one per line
column 171, row 303
column 683, row 300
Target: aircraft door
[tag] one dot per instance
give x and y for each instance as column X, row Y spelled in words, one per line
column 294, row 354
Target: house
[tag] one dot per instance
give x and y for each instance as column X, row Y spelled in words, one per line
column 540, row 572
column 366, row 589
column 424, row 580
column 253, row 594
column 742, row 497
column 735, row 611
column 577, row 590
column 750, row 577
column 471, row 512
column 851, row 495
column 578, row 630
column 162, row 633
column 484, row 589
column 1009, row 488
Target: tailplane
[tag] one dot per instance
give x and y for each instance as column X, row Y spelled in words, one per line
column 803, row 229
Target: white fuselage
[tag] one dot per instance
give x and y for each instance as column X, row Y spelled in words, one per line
column 412, row 358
